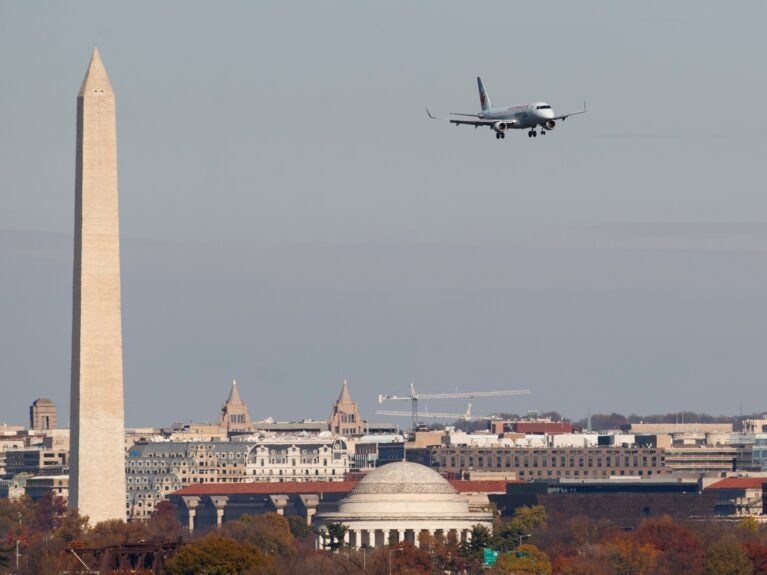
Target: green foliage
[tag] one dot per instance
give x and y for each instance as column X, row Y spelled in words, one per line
column 334, row 536
column 298, row 527
column 481, row 537
column 525, row 522
column 216, row 555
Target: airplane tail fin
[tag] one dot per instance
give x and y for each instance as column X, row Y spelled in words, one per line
column 484, row 99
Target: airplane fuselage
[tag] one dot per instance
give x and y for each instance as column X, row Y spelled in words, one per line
column 522, row 116
column 528, row 117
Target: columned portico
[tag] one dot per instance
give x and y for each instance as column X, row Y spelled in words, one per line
column 401, row 502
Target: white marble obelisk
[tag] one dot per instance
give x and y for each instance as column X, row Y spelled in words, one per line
column 97, row 443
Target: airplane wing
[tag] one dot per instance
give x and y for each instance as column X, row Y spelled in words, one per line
column 458, row 121
column 476, row 123
column 564, row 117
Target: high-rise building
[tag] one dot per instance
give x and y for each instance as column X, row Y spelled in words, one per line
column 97, row 464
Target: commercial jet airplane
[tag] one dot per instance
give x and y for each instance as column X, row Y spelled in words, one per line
column 520, row 117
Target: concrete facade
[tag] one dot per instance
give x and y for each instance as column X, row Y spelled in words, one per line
column 552, row 463
column 97, row 481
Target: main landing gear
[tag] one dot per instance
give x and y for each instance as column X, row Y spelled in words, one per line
column 500, row 135
column 533, row 133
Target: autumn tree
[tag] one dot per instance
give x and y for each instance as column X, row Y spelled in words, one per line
column 628, row 557
column 163, row 524
column 400, row 559
column 728, row 557
column 757, row 554
column 681, row 552
column 269, row 532
column 216, row 555
column 526, row 560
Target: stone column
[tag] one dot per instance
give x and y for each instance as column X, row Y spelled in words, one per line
column 219, row 502
column 191, row 504
column 347, row 537
column 468, row 535
column 400, row 535
column 279, row 502
column 310, row 503
column 416, row 533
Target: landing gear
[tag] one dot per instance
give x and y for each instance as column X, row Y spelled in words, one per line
column 532, row 134
column 500, row 135
column 543, row 132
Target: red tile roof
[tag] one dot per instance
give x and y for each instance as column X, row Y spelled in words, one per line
column 277, row 488
column 739, row 483
column 267, row 488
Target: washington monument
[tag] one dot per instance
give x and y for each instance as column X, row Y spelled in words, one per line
column 97, row 465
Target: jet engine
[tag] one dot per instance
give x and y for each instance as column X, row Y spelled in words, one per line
column 502, row 126
column 549, row 124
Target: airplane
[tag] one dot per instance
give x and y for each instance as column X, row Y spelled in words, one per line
column 519, row 117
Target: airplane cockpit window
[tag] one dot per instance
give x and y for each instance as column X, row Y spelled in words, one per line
column 543, row 107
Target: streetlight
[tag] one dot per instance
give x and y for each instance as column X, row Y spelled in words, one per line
column 521, row 536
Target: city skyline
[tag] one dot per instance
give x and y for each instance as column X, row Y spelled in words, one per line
column 618, row 268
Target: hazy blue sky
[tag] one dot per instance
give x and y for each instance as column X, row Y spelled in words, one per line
column 290, row 217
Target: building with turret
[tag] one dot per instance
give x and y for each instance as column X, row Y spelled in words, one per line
column 234, row 414
column 345, row 418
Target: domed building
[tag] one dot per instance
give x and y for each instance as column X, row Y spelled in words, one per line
column 398, row 502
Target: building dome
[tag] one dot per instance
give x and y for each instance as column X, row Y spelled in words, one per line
column 403, row 478
column 406, row 498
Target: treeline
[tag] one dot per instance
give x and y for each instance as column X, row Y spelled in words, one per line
column 528, row 544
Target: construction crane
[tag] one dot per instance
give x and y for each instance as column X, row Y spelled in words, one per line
column 415, row 396
column 437, row 415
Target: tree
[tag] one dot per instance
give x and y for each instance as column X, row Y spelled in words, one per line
column 298, row 527
column 269, row 532
column 526, row 560
column 216, row 555
column 163, row 524
column 757, row 554
column 577, row 565
column 728, row 557
column 681, row 552
column 631, row 558
column 524, row 522
column 333, row 534
column 404, row 558
column 481, row 537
